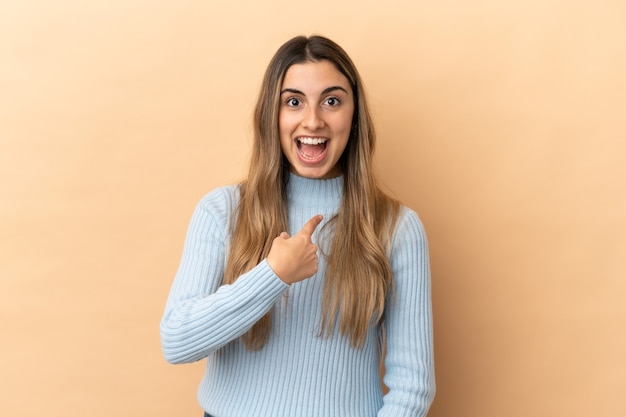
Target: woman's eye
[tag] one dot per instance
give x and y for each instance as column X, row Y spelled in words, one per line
column 333, row 101
column 293, row 102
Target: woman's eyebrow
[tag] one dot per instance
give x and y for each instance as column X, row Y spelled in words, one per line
column 333, row 88
column 326, row 90
column 292, row 91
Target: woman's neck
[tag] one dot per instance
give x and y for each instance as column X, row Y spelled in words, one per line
column 314, row 192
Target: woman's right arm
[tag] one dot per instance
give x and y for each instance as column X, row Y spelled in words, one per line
column 201, row 314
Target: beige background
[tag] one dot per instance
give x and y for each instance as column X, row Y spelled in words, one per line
column 503, row 123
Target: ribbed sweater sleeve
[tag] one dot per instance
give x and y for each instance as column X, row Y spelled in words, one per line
column 409, row 361
column 201, row 315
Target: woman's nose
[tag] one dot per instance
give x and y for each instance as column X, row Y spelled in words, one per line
column 312, row 119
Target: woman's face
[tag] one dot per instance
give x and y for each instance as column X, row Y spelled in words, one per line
column 315, row 118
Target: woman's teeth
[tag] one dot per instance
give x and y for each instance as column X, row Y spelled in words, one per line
column 312, row 141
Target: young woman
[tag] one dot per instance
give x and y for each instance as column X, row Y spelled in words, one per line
column 294, row 282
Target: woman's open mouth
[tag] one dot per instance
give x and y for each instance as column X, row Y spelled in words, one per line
column 311, row 149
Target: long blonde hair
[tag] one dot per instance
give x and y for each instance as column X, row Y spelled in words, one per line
column 358, row 276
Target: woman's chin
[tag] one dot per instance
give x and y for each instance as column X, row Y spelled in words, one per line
column 317, row 173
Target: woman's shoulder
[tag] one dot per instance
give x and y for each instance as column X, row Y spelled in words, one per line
column 220, row 202
column 409, row 225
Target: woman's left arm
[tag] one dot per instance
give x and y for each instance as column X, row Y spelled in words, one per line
column 409, row 359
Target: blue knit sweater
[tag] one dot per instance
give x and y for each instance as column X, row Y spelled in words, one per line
column 297, row 373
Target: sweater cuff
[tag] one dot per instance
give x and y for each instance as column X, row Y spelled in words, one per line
column 264, row 281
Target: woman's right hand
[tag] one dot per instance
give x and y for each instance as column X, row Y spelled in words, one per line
column 294, row 258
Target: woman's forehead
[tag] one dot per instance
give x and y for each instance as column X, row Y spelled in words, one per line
column 312, row 76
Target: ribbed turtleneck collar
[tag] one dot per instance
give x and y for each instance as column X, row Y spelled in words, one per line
column 320, row 192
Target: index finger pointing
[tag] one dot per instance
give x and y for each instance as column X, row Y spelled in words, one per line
column 310, row 226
